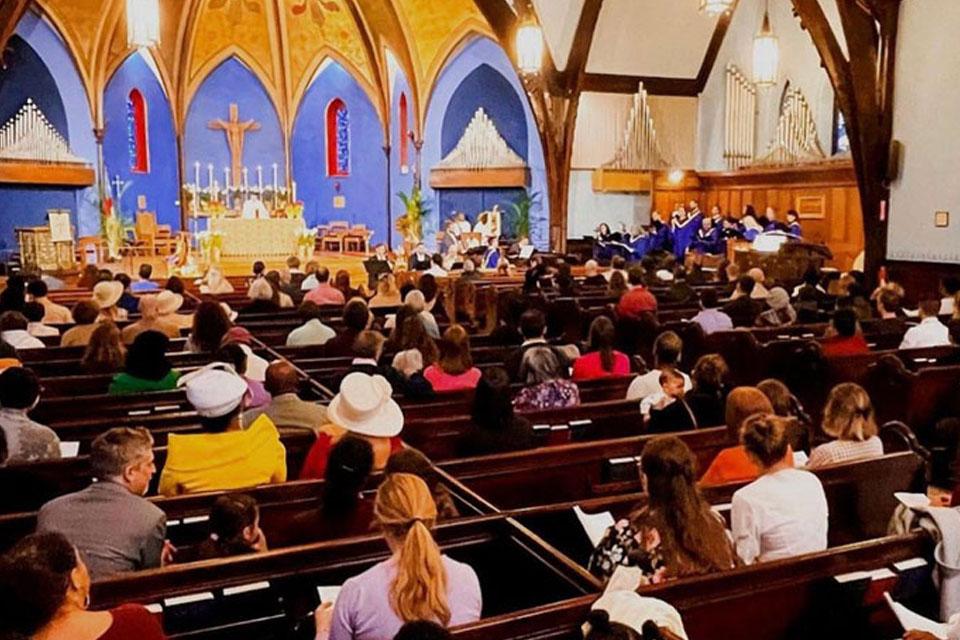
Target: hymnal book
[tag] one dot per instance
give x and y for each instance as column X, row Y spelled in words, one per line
column 912, row 621
column 595, row 524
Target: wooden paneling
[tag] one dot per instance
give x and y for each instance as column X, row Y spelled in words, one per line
column 840, row 228
column 484, row 179
column 40, row 173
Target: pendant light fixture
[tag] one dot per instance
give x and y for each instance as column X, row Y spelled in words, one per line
column 529, row 47
column 143, row 23
column 766, row 53
column 715, row 7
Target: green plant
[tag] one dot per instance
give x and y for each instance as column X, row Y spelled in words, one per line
column 411, row 223
column 521, row 208
column 115, row 229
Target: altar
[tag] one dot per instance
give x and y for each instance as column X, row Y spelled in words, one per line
column 256, row 238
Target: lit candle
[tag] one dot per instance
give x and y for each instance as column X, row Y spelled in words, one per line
column 209, row 177
column 293, row 192
column 226, row 178
column 196, row 174
column 276, row 181
column 260, row 180
column 246, row 184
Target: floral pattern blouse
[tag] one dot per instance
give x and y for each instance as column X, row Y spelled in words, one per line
column 631, row 544
column 553, row 394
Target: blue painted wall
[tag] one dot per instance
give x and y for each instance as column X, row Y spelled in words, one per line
column 232, row 82
column 40, row 67
column 27, row 77
column 161, row 184
column 365, row 187
column 400, row 181
column 480, row 74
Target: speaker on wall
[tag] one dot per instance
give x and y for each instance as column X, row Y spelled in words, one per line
column 893, row 163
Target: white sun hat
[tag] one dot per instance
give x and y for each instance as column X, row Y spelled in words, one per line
column 365, row 407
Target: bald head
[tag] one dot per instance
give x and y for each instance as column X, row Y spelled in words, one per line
column 281, row 378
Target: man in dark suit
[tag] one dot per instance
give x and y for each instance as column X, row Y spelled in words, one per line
column 113, row 526
column 367, row 350
column 742, row 309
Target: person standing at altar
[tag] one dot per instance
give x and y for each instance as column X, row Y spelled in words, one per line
column 793, row 223
column 420, row 260
column 491, row 259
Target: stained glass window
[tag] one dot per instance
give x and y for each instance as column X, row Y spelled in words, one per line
column 137, row 146
column 338, row 139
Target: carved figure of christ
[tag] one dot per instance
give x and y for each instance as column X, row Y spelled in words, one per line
column 236, row 132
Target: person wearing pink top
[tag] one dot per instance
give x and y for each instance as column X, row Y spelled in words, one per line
column 602, row 361
column 324, row 293
column 454, row 371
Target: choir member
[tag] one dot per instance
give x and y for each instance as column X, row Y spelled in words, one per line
column 793, row 223
column 420, row 260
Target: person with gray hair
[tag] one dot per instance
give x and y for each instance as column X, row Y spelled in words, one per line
column 113, row 526
column 545, row 370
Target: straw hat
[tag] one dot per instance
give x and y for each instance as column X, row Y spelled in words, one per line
column 169, row 302
column 107, row 293
column 365, row 407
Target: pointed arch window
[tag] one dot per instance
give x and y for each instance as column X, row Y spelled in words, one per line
column 404, row 133
column 137, row 142
column 338, row 139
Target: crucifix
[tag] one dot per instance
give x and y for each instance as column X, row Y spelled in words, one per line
column 236, row 131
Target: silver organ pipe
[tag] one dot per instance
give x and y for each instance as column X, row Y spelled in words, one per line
column 740, row 122
column 796, row 139
column 29, row 137
column 639, row 150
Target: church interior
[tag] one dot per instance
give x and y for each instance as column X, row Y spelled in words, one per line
column 479, row 319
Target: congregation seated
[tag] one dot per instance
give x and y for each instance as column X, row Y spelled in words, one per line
column 143, row 283
column 312, row 331
column 711, row 318
column 13, row 331
column 356, row 319
column 889, row 305
column 234, row 355
column 676, row 534
column 283, row 299
column 365, row 408
column 418, row 582
column 128, row 302
column 53, row 313
column 348, row 469
column 733, row 464
column 106, row 295
column 930, row 332
column 324, row 293
column 543, row 369
column 786, row 405
column 602, row 360
column 26, row 440
column 169, row 303
column 494, row 427
column 146, row 367
column 453, row 370
column 387, row 294
column 150, row 321
column 783, row 513
column 844, row 336
column 617, row 286
column 45, row 592
column 215, row 284
column 780, row 313
column 228, row 454
column 744, row 307
column 113, row 526
column 105, row 353
column 234, row 529
column 285, row 408
column 848, row 418
column 263, row 298
column 34, row 312
column 592, row 276
column 667, row 350
column 210, row 325
column 412, row 461
column 810, row 285
column 638, row 300
column 668, row 410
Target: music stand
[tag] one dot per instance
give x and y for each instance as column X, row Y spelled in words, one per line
column 375, row 269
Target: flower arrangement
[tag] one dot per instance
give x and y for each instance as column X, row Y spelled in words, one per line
column 295, row 212
column 410, row 224
column 211, row 245
column 306, row 242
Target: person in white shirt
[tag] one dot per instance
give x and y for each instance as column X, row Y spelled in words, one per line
column 313, row 331
column 13, row 331
column 53, row 313
column 783, row 513
column 437, row 269
column 34, row 313
column 666, row 354
column 949, row 289
column 930, row 332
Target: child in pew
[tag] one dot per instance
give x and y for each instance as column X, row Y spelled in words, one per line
column 338, row 514
column 234, row 529
column 783, row 513
column 45, row 593
column 415, row 463
column 676, row 534
column 849, row 419
column 668, row 411
column 417, row 582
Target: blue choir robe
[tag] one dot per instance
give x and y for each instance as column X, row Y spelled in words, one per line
column 684, row 233
column 661, row 237
column 709, row 242
column 640, row 246
column 795, row 229
column 491, row 259
column 750, row 234
column 775, row 226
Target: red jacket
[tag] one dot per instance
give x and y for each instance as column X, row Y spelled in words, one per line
column 636, row 302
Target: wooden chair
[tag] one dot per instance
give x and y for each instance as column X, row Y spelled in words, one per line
column 358, row 239
column 92, row 245
column 159, row 239
column 333, row 239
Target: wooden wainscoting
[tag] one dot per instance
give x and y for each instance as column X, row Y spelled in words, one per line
column 825, row 193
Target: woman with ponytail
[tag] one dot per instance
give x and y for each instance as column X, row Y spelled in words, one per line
column 676, row 534
column 848, row 418
column 417, row 582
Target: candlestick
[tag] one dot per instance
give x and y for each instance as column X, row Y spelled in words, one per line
column 293, row 191
column 196, row 173
column 246, row 184
column 209, row 176
column 260, row 180
column 226, row 178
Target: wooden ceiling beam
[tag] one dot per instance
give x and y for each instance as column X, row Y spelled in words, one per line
column 713, row 49
column 11, row 11
column 655, row 85
column 571, row 78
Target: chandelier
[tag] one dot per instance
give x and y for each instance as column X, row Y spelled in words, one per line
column 529, row 47
column 143, row 23
column 715, row 7
column 766, row 54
